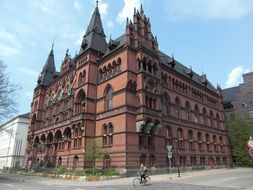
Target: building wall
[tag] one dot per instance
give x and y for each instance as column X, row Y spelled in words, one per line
column 242, row 104
column 134, row 106
column 13, row 144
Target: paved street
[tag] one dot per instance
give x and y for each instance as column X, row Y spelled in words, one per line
column 204, row 180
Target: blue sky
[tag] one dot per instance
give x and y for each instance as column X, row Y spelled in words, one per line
column 214, row 37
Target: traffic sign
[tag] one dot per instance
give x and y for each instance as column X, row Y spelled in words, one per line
column 169, row 147
column 250, row 143
column 169, row 154
column 251, row 151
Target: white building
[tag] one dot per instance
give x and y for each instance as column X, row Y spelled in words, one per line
column 13, row 136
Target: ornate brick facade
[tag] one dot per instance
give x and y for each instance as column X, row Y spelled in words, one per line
column 132, row 98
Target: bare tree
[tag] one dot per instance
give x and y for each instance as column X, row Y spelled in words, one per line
column 8, row 105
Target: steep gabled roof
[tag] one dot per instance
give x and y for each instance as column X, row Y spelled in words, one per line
column 94, row 37
column 48, row 73
column 181, row 69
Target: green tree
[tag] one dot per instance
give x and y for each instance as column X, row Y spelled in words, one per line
column 239, row 131
column 93, row 152
column 8, row 105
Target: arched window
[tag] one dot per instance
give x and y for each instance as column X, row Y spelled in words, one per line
column 106, row 162
column 191, row 139
column 187, row 111
column 75, row 162
column 80, row 102
column 204, row 117
column 107, row 132
column 80, row 79
column 143, row 159
column 218, row 120
column 196, row 114
column 108, row 98
column 100, row 76
column 33, row 122
column 59, row 161
column 208, row 147
column 211, row 118
column 200, row 139
column 150, row 66
column 221, row 144
column 165, row 105
column 168, row 136
column 177, row 108
column 180, row 139
column 151, row 161
column 215, row 143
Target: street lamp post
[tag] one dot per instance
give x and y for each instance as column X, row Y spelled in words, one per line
column 178, row 171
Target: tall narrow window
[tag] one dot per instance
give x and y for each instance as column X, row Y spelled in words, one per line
column 187, row 111
column 196, row 114
column 177, row 108
column 108, row 99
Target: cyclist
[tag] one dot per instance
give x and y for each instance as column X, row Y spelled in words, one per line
column 143, row 171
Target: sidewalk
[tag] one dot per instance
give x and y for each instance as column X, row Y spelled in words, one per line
column 174, row 176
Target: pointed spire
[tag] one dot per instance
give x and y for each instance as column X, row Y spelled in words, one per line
column 127, row 22
column 142, row 11
column 97, row 3
column 48, row 72
column 134, row 11
column 49, row 65
column 94, row 37
column 95, row 23
column 67, row 54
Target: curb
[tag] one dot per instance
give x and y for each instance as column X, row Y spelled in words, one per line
column 78, row 178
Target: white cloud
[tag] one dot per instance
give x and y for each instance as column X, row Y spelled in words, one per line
column 235, row 76
column 77, row 5
column 110, row 24
column 209, row 9
column 9, row 44
column 103, row 9
column 27, row 71
column 128, row 10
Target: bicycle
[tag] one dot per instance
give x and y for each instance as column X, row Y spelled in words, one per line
column 137, row 181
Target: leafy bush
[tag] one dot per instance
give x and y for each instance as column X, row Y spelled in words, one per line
column 61, row 170
column 95, row 172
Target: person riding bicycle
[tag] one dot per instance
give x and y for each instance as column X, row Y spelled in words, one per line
column 143, row 171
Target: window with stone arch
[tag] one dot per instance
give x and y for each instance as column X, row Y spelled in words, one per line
column 208, row 142
column 196, row 114
column 33, row 122
column 190, row 139
column 107, row 132
column 211, row 119
column 108, row 97
column 106, row 162
column 177, row 107
column 168, row 136
column 217, row 120
column 118, row 65
column 200, row 140
column 204, row 112
column 187, row 111
column 180, row 138
column 221, row 144
column 165, row 104
column 100, row 75
column 215, row 143
column 80, row 102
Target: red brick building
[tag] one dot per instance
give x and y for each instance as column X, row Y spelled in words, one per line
column 132, row 98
